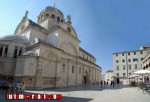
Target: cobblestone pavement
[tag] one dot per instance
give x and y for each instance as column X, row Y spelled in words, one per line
column 92, row 93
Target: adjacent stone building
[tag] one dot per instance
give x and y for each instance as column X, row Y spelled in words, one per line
column 47, row 53
column 127, row 62
column 146, row 64
column 109, row 76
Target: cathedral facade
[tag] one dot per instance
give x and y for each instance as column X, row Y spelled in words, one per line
column 47, row 53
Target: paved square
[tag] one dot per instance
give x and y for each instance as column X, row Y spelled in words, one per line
column 94, row 93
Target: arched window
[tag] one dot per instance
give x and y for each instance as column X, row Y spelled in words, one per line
column 58, row 18
column 5, row 52
column 1, row 51
column 22, row 27
column 53, row 16
column 15, row 52
column 42, row 17
column 62, row 20
column 39, row 19
column 47, row 15
column 69, row 29
column 20, row 51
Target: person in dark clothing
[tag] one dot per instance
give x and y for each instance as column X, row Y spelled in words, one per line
column 101, row 83
column 104, row 83
column 107, row 83
column 3, row 88
column 147, row 79
column 113, row 83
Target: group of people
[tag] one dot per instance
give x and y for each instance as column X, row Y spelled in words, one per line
column 107, row 83
column 11, row 87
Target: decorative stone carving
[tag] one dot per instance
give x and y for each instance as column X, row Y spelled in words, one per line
column 69, row 19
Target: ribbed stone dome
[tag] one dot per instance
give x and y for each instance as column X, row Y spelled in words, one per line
column 17, row 38
column 53, row 9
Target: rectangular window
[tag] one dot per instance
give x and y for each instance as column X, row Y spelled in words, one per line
column 124, row 67
column 135, row 60
column 20, row 51
column 122, row 54
column 117, row 74
column 116, row 55
column 117, row 67
column 124, row 74
column 1, row 51
column 117, row 61
column 141, row 59
column 129, row 60
column 15, row 52
column 134, row 53
column 129, row 67
column 123, row 60
column 129, row 73
column 135, row 66
column 141, row 52
column 6, row 50
column 129, row 53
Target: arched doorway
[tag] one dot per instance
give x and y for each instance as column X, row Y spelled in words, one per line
column 118, row 80
column 85, row 77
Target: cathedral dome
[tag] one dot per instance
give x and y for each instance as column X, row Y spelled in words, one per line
column 53, row 9
column 17, row 38
column 51, row 12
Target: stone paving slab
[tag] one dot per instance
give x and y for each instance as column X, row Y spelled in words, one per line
column 92, row 93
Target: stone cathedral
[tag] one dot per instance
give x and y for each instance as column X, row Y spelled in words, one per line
column 47, row 53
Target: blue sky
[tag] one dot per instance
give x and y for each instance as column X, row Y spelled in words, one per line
column 103, row 26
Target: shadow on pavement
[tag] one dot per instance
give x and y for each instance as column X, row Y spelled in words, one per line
column 88, row 88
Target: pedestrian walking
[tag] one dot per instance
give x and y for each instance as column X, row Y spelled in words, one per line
column 23, row 87
column 3, row 88
column 6, row 86
column 101, row 83
column 107, row 83
column 18, row 87
column 104, row 83
column 14, row 87
column 113, row 83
